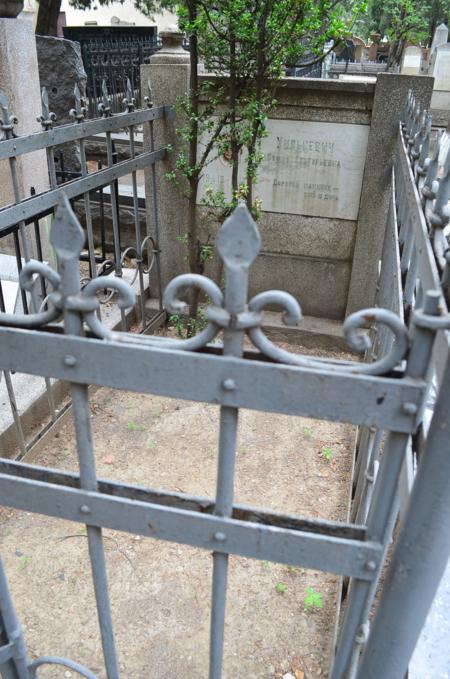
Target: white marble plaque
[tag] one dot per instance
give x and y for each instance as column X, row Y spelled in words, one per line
column 412, row 60
column 441, row 70
column 309, row 168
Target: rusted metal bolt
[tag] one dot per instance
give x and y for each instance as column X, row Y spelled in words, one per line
column 69, row 360
column 229, row 384
column 84, row 509
column 220, row 537
column 410, row 408
column 370, row 566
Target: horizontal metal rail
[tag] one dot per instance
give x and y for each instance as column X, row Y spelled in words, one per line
column 134, row 510
column 17, row 146
column 259, row 385
column 77, row 187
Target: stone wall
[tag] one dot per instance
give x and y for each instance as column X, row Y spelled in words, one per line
column 309, row 255
column 324, row 186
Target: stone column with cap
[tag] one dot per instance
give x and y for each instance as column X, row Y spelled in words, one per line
column 168, row 73
column 19, row 81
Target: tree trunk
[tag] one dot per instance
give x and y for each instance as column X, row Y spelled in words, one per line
column 47, row 18
column 193, row 143
column 234, row 145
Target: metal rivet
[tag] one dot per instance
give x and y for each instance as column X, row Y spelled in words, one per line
column 409, row 408
column 69, row 360
column 84, row 509
column 229, row 384
column 220, row 537
column 370, row 566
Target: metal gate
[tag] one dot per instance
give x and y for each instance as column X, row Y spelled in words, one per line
column 387, row 394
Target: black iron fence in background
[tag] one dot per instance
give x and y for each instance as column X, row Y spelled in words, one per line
column 114, row 55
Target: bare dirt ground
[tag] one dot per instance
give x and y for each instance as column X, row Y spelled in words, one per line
column 160, row 592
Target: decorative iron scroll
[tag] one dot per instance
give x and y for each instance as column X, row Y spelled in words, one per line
column 238, row 245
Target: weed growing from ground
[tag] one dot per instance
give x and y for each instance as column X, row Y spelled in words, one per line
column 327, row 453
column 281, row 588
column 313, row 600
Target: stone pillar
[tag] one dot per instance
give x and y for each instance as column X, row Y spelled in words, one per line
column 169, row 74
column 389, row 102
column 60, row 69
column 19, row 80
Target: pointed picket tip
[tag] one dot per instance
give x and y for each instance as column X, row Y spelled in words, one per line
column 77, row 95
column 239, row 242
column 66, row 234
column 105, row 92
column 44, row 101
column 446, row 170
column 4, row 100
column 129, row 91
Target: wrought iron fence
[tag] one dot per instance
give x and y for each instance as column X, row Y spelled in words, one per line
column 137, row 260
column 415, row 264
column 387, row 393
column 117, row 62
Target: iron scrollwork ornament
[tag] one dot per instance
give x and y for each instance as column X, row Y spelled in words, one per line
column 238, row 245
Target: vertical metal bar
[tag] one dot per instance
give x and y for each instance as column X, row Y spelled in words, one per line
column 18, row 254
column 17, row 668
column 238, row 245
column 137, row 226
column 115, row 220
column 384, row 506
column 11, row 394
column 420, row 556
column 410, row 281
column 361, row 592
column 114, row 204
column 70, row 236
column 155, row 221
column 26, row 252
column 87, row 210
column 364, row 454
column 370, row 478
column 37, row 238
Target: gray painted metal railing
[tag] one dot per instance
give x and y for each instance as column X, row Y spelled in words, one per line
column 23, row 218
column 388, row 394
column 385, row 396
column 415, row 261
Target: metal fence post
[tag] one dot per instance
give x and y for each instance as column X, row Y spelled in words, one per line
column 420, row 556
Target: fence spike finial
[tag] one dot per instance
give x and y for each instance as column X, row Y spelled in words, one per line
column 423, row 161
column 47, row 118
column 440, row 215
column 430, row 184
column 239, row 242
column 420, row 135
column 104, row 108
column 129, row 102
column 79, row 112
column 7, row 120
column 66, row 234
column 148, row 100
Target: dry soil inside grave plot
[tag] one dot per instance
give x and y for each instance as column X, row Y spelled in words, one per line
column 160, row 592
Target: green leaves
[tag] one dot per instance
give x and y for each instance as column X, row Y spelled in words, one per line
column 281, row 588
column 312, row 600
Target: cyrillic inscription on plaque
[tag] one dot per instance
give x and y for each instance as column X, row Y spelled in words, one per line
column 309, row 168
